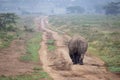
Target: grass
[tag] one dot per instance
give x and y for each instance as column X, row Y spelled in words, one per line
column 5, row 39
column 51, row 44
column 101, row 31
column 51, row 47
column 33, row 46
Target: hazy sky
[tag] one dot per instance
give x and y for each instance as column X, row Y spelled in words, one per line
column 47, row 5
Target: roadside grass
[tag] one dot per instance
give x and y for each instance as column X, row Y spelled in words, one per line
column 51, row 44
column 33, row 46
column 51, row 47
column 5, row 39
column 102, row 33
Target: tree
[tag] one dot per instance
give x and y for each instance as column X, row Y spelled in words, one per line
column 112, row 8
column 75, row 9
column 7, row 19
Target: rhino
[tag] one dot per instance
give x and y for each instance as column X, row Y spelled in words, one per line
column 77, row 48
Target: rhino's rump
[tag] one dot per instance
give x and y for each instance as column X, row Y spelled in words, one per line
column 77, row 45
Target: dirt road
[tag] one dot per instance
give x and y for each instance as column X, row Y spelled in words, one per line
column 58, row 63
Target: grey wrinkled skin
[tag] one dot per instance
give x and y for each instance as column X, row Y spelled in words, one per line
column 77, row 48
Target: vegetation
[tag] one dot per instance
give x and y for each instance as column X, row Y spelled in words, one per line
column 7, row 20
column 102, row 33
column 32, row 48
column 7, row 28
column 112, row 8
column 51, row 44
column 5, row 39
column 75, row 9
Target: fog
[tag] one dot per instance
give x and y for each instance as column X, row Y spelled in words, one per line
column 51, row 6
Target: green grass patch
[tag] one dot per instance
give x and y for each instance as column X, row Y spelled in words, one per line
column 51, row 45
column 50, row 42
column 5, row 39
column 114, row 69
column 33, row 46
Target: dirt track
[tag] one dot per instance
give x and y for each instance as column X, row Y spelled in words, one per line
column 58, row 63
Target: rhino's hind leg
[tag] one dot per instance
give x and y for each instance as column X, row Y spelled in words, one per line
column 81, row 62
column 72, row 58
column 81, row 59
column 77, row 57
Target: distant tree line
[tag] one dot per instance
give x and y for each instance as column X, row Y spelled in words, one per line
column 75, row 9
column 112, row 8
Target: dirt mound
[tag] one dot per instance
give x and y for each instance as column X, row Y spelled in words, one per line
column 58, row 62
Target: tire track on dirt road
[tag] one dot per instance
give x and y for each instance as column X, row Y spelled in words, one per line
column 58, row 63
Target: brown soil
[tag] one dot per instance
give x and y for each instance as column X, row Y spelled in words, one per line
column 10, row 64
column 59, row 65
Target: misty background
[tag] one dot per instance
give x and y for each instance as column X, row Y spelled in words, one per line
column 53, row 6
